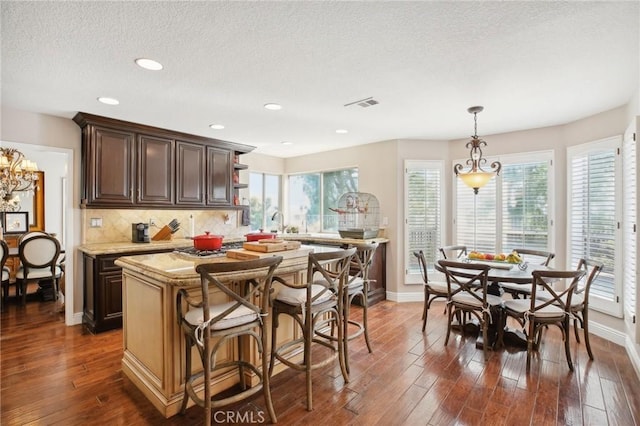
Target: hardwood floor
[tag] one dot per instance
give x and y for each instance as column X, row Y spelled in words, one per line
column 53, row 374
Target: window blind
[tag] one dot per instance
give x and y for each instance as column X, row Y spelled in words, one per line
column 423, row 209
column 593, row 217
column 629, row 238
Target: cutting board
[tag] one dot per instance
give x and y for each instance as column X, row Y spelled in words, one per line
column 243, row 254
column 268, row 246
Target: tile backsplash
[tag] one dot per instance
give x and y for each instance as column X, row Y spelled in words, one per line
column 116, row 223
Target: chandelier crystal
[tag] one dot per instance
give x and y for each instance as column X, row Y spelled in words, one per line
column 476, row 177
column 17, row 174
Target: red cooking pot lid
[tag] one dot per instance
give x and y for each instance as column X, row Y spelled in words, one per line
column 207, row 236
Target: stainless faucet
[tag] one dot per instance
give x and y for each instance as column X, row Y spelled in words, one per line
column 281, row 221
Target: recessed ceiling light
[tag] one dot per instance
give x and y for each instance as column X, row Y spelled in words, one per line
column 286, row 143
column 108, row 101
column 273, row 107
column 342, row 131
column 149, row 64
column 216, row 126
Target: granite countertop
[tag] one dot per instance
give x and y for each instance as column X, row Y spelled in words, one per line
column 178, row 269
column 97, row 249
column 333, row 239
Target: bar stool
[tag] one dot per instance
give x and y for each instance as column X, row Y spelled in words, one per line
column 313, row 305
column 208, row 326
column 4, row 254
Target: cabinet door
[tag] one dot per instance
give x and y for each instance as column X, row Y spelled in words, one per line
column 110, row 168
column 218, row 176
column 190, row 171
column 156, row 171
column 111, row 300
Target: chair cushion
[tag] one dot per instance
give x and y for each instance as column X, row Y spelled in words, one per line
column 440, row 287
column 37, row 273
column 298, row 296
column 520, row 288
column 467, row 299
column 5, row 275
column 520, row 306
column 239, row 316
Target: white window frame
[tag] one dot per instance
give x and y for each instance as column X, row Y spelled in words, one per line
column 629, row 229
column 438, row 165
column 612, row 307
column 547, row 155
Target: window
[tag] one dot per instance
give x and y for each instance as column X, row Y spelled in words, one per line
column 312, row 195
column 513, row 210
column 423, row 210
column 593, row 211
column 264, row 199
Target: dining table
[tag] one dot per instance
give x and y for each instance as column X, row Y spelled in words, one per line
column 501, row 272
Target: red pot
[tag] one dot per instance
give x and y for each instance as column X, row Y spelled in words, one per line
column 257, row 236
column 207, row 241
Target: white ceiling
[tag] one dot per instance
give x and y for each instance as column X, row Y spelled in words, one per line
column 531, row 64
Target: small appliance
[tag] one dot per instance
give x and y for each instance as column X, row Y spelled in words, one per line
column 140, row 233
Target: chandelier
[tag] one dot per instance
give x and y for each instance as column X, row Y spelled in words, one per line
column 17, row 174
column 476, row 177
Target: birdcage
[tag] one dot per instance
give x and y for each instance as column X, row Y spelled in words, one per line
column 358, row 215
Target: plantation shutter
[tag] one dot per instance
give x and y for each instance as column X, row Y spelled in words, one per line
column 423, row 209
column 593, row 216
column 629, row 238
column 525, row 200
column 482, row 216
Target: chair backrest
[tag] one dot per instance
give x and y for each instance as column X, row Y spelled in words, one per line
column 453, row 252
column 38, row 250
column 257, row 275
column 469, row 277
column 4, row 253
column 545, row 281
column 592, row 269
column 422, row 262
column 334, row 266
column 535, row 257
column 361, row 261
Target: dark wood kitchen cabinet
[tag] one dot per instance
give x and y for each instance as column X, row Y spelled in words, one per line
column 102, row 307
column 129, row 165
column 108, row 166
column 156, row 170
column 219, row 176
column 191, row 172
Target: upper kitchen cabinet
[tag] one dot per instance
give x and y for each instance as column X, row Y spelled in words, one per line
column 191, row 171
column 156, row 170
column 129, row 165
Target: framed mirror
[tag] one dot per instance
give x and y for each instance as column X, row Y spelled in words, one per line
column 34, row 205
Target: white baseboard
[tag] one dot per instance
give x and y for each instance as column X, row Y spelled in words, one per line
column 417, row 296
column 633, row 350
column 76, row 318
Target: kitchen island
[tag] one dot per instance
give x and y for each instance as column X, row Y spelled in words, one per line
column 154, row 346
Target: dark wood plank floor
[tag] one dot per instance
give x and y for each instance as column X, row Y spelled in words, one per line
column 53, row 374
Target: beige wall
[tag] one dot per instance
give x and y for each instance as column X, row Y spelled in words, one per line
column 380, row 166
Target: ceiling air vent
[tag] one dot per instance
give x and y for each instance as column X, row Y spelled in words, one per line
column 364, row 103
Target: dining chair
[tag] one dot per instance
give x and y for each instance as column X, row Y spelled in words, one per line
column 535, row 314
column 453, row 252
column 38, row 252
column 432, row 289
column 467, row 295
column 209, row 326
column 315, row 306
column 4, row 254
column 580, row 300
column 533, row 257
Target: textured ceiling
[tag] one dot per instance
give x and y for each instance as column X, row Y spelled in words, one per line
column 531, row 64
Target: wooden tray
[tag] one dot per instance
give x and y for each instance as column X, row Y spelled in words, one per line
column 268, row 246
column 242, row 254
